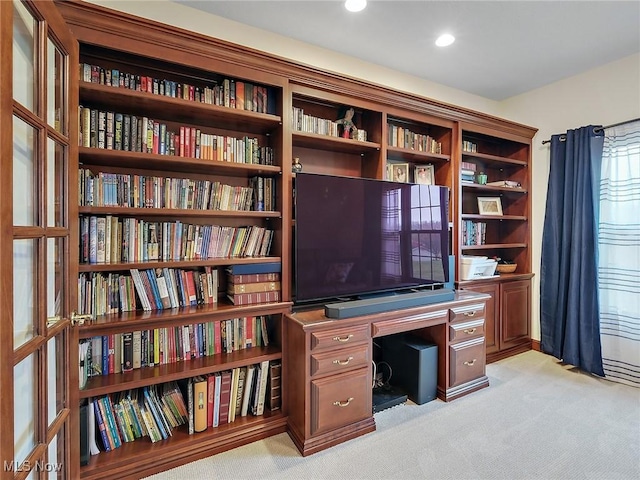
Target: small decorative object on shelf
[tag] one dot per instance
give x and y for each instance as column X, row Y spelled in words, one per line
column 424, row 174
column 481, row 178
column 400, row 172
column 489, row 206
column 349, row 129
column 296, row 167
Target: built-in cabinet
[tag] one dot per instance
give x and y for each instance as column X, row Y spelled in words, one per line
column 329, row 366
column 293, row 112
column 496, row 168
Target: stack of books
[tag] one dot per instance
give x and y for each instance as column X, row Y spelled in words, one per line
column 254, row 283
column 468, row 172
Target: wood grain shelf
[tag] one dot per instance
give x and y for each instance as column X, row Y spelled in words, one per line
column 117, row 382
column 138, row 320
column 186, row 111
column 118, row 158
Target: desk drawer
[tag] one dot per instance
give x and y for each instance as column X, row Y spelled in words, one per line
column 466, row 361
column 466, row 330
column 340, row 359
column 339, row 400
column 339, row 336
column 466, row 313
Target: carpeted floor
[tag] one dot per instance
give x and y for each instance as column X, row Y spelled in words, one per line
column 539, row 419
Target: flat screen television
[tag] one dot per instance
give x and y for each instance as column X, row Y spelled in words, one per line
column 356, row 237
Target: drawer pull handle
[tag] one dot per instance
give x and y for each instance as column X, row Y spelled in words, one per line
column 469, row 314
column 470, row 331
column 471, row 363
column 343, row 362
column 343, row 404
column 343, row 339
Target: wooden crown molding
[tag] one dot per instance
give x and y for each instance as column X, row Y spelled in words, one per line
column 95, row 24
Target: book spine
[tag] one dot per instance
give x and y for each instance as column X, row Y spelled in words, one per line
column 255, row 297
column 101, row 425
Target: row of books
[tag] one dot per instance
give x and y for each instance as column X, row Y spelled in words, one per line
column 145, row 191
column 468, row 146
column 473, row 233
column 151, row 412
column 199, row 403
column 126, row 351
column 111, row 239
column 230, row 93
column 303, row 122
column 220, row 398
column 265, row 193
column 402, row 137
column 120, row 131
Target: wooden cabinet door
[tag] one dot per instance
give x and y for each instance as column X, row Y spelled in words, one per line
column 38, row 138
column 515, row 299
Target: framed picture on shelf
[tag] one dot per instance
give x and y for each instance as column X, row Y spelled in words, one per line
column 424, row 174
column 489, row 206
column 400, row 172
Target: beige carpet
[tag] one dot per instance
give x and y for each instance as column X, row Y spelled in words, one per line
column 539, row 419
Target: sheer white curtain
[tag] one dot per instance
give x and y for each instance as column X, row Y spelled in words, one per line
column 619, row 254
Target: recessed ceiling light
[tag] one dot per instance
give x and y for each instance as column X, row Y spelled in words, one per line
column 355, row 5
column 445, row 40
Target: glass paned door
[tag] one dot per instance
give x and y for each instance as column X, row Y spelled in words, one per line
column 37, row 146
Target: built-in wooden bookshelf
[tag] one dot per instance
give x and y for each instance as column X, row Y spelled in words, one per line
column 176, row 61
column 505, row 160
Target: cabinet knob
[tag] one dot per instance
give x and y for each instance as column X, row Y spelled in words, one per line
column 469, row 314
column 343, row 362
column 338, row 403
column 343, row 339
column 471, row 363
column 470, row 331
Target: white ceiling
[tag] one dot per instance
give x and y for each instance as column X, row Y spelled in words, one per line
column 502, row 48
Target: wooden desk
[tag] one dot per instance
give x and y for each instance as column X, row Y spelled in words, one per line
column 328, row 364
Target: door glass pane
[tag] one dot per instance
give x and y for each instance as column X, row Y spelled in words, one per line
column 24, row 174
column 55, row 84
column 54, row 465
column 55, row 277
column 24, row 27
column 24, row 407
column 24, row 290
column 55, row 377
column 55, row 183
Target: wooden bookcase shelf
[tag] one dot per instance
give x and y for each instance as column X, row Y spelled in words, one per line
column 179, row 110
column 166, row 212
column 415, row 156
column 118, row 158
column 117, row 382
column 333, row 144
column 137, row 459
column 106, row 324
column 214, row 262
column 484, row 157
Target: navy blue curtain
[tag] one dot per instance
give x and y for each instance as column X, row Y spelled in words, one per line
column 569, row 321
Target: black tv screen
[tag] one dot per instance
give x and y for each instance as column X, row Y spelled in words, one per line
column 357, row 236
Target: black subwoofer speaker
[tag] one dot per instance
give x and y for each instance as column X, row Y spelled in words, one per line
column 414, row 364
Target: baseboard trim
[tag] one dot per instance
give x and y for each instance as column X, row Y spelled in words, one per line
column 535, row 345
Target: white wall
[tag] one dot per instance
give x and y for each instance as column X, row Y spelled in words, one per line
column 602, row 96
